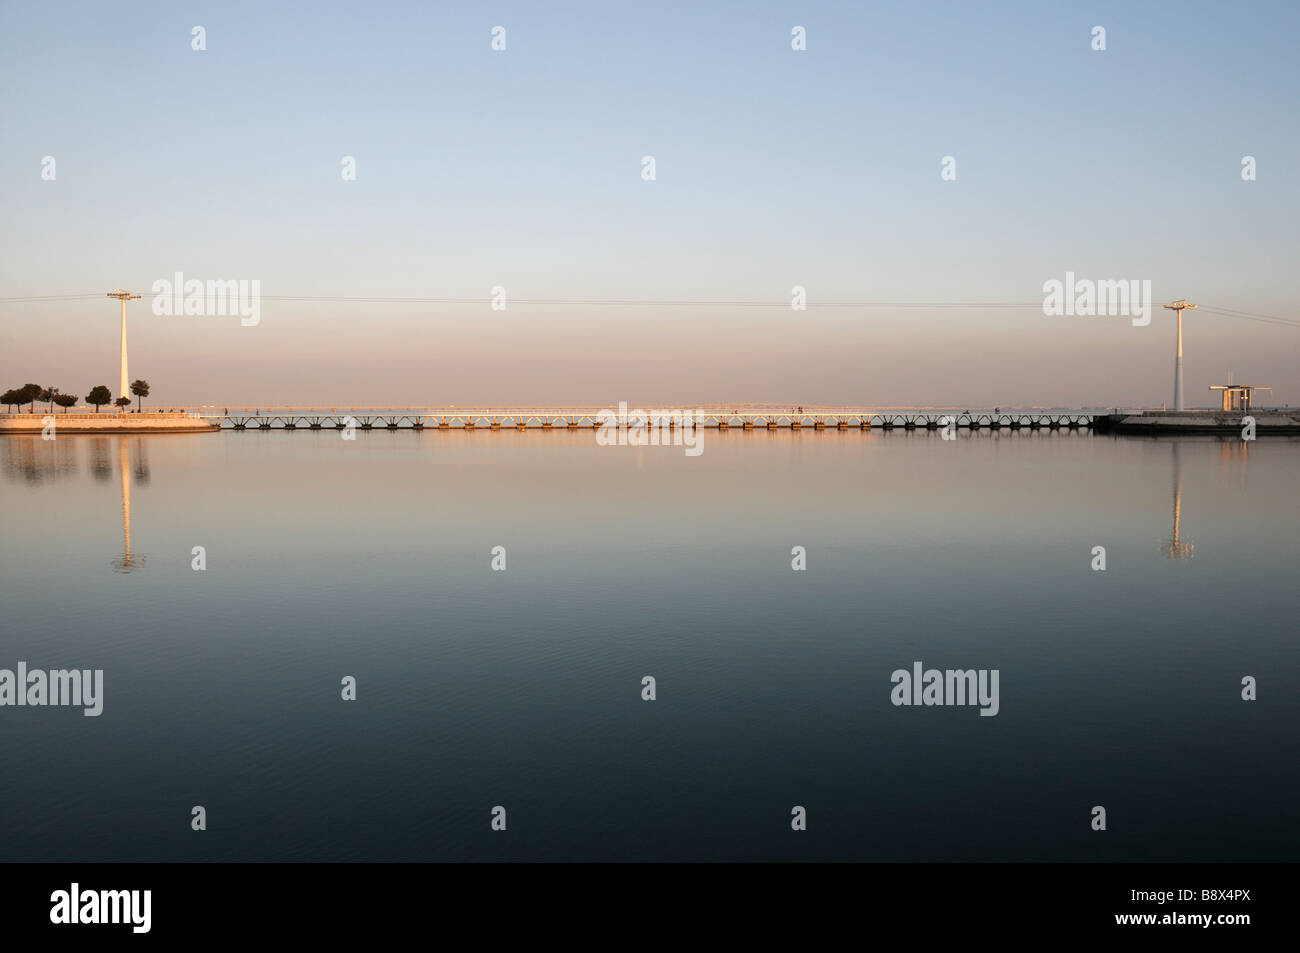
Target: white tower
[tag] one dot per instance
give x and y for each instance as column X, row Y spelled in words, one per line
column 124, row 297
column 1178, row 306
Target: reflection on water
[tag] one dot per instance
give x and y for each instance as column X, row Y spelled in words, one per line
column 100, row 467
column 35, row 461
column 372, row 558
column 1176, row 547
column 1234, row 455
column 127, row 562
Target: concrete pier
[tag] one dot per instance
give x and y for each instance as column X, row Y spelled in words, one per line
column 1267, row 422
column 147, row 422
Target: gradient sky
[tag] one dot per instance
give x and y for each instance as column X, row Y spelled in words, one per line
column 775, row 168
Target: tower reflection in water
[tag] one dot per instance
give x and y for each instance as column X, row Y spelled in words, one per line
column 37, row 462
column 1176, row 547
column 1231, row 451
column 128, row 561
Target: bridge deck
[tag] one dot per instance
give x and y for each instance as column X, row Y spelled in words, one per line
column 551, row 418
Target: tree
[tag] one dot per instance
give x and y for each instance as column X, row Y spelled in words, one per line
column 9, row 398
column 27, row 394
column 141, row 390
column 99, row 396
column 48, row 394
column 122, row 402
column 65, row 401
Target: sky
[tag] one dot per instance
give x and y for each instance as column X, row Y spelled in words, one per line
column 774, row 168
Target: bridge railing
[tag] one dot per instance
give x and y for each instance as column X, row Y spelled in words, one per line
column 542, row 417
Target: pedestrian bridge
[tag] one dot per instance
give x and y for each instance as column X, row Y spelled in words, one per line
column 557, row 418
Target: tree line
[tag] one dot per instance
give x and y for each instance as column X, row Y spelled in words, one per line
column 98, row 396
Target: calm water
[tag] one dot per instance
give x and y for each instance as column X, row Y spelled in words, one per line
column 522, row 688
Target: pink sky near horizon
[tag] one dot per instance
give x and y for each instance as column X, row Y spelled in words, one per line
column 435, row 355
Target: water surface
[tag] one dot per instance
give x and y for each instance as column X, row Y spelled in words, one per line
column 522, row 688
